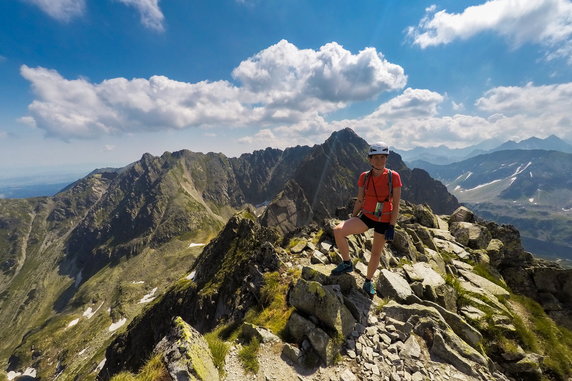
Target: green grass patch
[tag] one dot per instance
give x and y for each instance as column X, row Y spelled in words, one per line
column 294, row 241
column 153, row 370
column 316, row 238
column 484, row 270
column 381, row 304
column 448, row 257
column 273, row 311
column 248, row 356
column 539, row 333
column 219, row 348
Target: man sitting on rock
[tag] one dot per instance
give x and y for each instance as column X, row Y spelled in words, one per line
column 377, row 207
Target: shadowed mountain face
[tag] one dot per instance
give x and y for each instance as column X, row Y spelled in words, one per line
column 116, row 235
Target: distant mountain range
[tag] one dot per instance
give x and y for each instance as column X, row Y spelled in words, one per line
column 531, row 189
column 444, row 155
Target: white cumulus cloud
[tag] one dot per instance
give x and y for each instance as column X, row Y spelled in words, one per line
column 413, row 118
column 305, row 78
column 545, row 22
column 281, row 85
column 151, row 15
column 61, row 10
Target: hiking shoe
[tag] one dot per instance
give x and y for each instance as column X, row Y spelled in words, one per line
column 369, row 289
column 343, row 268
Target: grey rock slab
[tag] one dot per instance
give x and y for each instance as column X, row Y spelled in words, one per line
column 347, row 375
column 262, row 334
column 393, row 285
column 462, row 265
column 361, row 268
column 319, row 257
column 411, row 348
column 429, row 277
column 325, row 303
column 484, row 283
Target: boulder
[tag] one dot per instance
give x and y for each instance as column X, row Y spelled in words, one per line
column 299, row 247
column 393, row 285
column 471, row 235
column 462, row 214
column 484, row 283
column 527, row 368
column 495, row 250
column 319, row 257
column 186, row 353
column 425, row 216
column 425, row 236
column 262, row 334
column 301, row 328
column 435, row 260
column 326, row 303
column 404, row 245
column 451, row 247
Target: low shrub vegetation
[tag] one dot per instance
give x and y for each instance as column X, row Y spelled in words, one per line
column 153, row 370
column 219, row 348
column 273, row 311
column 248, row 356
column 539, row 333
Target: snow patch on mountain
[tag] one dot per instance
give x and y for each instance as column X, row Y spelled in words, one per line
column 483, row 185
column 115, row 326
column 29, row 372
column 149, row 297
column 519, row 170
column 88, row 313
column 191, row 276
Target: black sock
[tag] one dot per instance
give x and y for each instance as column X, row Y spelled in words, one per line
column 348, row 262
column 367, row 280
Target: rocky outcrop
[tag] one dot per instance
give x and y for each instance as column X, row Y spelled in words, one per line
column 227, row 279
column 186, row 354
column 288, row 210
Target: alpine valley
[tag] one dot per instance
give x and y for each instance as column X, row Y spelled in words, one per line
column 528, row 188
column 202, row 267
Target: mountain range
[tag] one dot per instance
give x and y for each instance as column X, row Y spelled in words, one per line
column 115, row 239
column 444, row 155
column 530, row 189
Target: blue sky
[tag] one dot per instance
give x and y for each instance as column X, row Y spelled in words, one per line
column 87, row 83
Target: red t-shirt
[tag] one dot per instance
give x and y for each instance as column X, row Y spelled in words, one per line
column 382, row 190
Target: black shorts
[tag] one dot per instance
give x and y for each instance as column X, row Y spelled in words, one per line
column 378, row 227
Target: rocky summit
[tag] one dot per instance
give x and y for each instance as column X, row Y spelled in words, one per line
column 444, row 309
column 133, row 273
